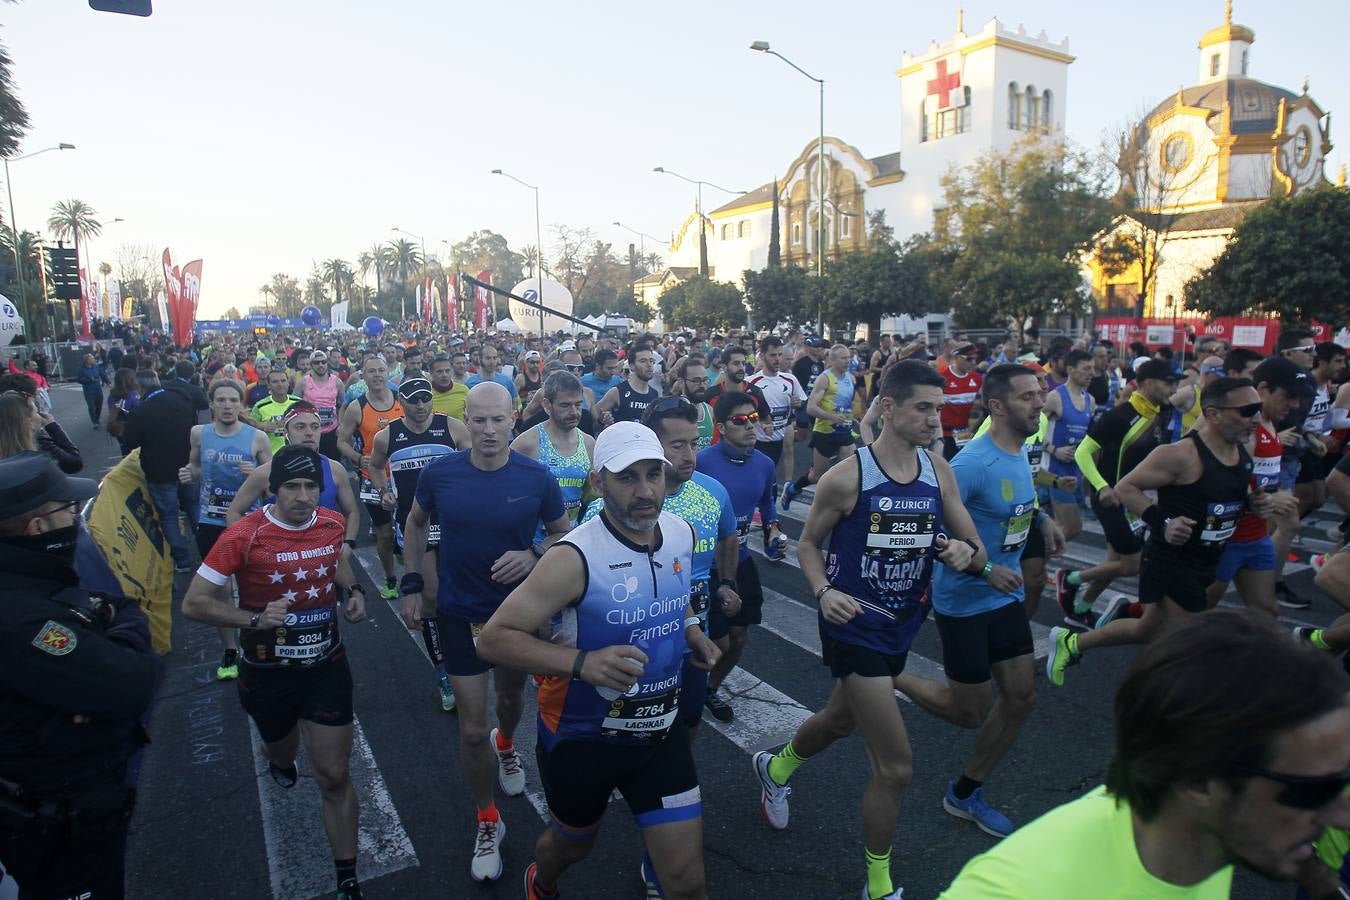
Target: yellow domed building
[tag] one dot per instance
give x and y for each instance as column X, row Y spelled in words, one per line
column 1197, row 164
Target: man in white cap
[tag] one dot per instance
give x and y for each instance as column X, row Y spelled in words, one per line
column 609, row 702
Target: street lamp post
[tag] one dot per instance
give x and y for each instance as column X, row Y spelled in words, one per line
column 14, row 229
column 763, row 47
column 423, row 241
column 698, row 203
column 538, row 244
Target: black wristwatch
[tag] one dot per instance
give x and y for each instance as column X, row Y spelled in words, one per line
column 254, row 619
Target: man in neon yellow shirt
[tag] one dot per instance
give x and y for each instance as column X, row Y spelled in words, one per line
column 267, row 413
column 1232, row 747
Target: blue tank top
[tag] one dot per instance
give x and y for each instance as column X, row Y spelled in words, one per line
column 1070, row 428
column 221, row 458
column 570, row 472
column 882, row 554
column 633, row 596
column 328, row 496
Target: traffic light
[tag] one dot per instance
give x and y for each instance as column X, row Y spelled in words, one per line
column 65, row 265
column 126, row 7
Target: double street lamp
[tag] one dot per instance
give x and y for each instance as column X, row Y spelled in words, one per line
column 538, row 245
column 698, row 205
column 14, row 228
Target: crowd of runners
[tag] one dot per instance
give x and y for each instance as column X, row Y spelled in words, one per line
column 572, row 516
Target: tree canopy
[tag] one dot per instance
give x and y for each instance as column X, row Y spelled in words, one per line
column 1290, row 257
column 701, row 302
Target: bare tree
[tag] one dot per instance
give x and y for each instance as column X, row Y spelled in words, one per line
column 139, row 270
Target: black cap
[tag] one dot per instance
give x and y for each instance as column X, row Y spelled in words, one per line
column 965, row 350
column 413, row 386
column 1282, row 372
column 813, row 341
column 1155, row 368
column 29, row 480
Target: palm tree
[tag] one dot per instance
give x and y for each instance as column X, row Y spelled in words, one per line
column 339, row 273
column 74, row 220
column 376, row 259
column 404, row 258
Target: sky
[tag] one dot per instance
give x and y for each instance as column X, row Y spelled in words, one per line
column 265, row 135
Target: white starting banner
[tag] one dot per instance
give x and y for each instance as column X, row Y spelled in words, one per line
column 11, row 325
column 556, row 297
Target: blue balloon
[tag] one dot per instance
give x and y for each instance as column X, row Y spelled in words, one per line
column 373, row 326
column 311, row 316
column 273, row 320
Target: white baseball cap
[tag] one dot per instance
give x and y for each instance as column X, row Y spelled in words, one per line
column 567, row 345
column 624, row 443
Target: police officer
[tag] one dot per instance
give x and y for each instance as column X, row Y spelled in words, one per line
column 76, row 674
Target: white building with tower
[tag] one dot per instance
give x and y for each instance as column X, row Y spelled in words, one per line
column 961, row 98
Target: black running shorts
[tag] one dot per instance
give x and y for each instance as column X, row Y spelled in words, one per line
column 1181, row 581
column 972, row 644
column 846, row 659
column 1116, row 526
column 1034, row 548
column 752, row 601
column 277, row 697
column 657, row 780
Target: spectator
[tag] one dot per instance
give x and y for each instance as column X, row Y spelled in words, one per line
column 51, row 437
column 184, row 381
column 123, row 398
column 161, row 426
column 92, row 378
column 19, row 424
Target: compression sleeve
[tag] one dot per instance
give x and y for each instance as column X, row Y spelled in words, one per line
column 1084, row 456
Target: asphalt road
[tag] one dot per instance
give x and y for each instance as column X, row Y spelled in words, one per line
column 209, row 825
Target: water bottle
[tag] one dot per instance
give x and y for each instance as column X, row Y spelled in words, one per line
column 611, row 694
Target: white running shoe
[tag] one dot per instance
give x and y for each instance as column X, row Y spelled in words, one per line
column 487, row 851
column 773, row 797
column 510, row 773
column 897, row 894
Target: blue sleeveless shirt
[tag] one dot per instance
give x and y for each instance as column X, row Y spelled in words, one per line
column 220, row 458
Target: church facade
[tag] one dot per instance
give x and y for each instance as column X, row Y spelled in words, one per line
column 976, row 92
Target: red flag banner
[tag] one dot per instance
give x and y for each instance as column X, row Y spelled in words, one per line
column 185, row 319
column 173, row 288
column 426, row 300
column 480, row 302
column 84, row 305
column 452, row 303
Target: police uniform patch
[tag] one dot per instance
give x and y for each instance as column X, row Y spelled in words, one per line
column 56, row 639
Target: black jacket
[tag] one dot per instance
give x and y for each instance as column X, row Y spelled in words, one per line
column 58, row 661
column 53, row 441
column 161, row 425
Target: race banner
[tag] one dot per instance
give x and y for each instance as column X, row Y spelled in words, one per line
column 452, row 304
column 480, row 302
column 173, row 288
column 115, row 299
column 126, row 528
column 128, row 307
column 337, row 315
column 186, row 316
column 426, row 300
column 84, row 305
column 163, row 307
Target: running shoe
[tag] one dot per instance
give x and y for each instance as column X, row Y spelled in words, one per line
column 1060, row 657
column 1318, row 560
column 447, row 694
column 229, row 666
column 897, row 894
column 532, row 891
column 390, row 590
column 487, row 851
column 1303, row 634
column 649, row 880
column 777, row 549
column 773, row 797
column 721, row 710
column 1288, row 598
column 789, row 493
column 975, row 809
column 350, row 889
column 1065, row 595
column 1114, row 607
column 510, row 774
column 284, row 777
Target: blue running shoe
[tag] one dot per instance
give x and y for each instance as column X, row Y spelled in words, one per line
column 789, row 493
column 975, row 809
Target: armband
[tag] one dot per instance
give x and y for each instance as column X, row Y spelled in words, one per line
column 984, row 573
column 821, row 593
column 350, row 542
column 577, row 665
column 974, row 547
column 411, row 583
column 692, row 621
column 538, row 554
column 254, row 619
column 1154, row 518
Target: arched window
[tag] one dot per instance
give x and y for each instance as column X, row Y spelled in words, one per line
column 743, row 228
column 1244, row 62
column 726, row 232
column 1014, row 106
column 1047, row 110
column 796, row 232
column 1031, row 116
column 844, row 229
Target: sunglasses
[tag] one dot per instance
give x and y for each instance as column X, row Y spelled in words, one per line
column 574, row 367
column 1212, row 370
column 1306, row 348
column 1303, row 791
column 1247, row 410
column 418, row 397
column 744, row 419
column 669, row 404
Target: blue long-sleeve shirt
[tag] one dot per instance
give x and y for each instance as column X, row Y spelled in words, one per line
column 749, row 479
column 92, row 378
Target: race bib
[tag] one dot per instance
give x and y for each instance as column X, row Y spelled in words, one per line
column 652, row 715
column 1035, row 456
column 743, row 531
column 1137, row 525
column 327, row 416
column 1220, row 521
column 699, row 602
column 779, row 419
column 901, row 527
column 218, row 503
column 434, row 533
column 305, row 636
column 368, row 493
column 1018, row 527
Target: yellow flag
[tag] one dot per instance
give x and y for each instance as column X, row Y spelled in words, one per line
column 126, row 528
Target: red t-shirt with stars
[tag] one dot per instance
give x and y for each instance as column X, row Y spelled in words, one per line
column 272, row 560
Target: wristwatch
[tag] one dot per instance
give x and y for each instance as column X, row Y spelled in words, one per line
column 254, row 619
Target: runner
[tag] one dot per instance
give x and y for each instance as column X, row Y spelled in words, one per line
column 783, row 395
column 594, row 739
column 1122, row 436
column 831, row 404
column 1185, row 401
column 362, row 419
column 448, row 389
column 295, row 681
column 559, row 444
column 223, row 454
column 399, row 453
column 747, row 476
column 531, row 377
column 960, row 397
column 980, row 617
column 1201, row 779
column 491, row 500
column 628, row 401
column 692, row 383
column 806, row 368
column 886, row 519
column 1070, row 409
column 323, row 388
column 1296, row 352
column 268, row 412
column 605, row 374
column 733, row 378
column 1203, row 484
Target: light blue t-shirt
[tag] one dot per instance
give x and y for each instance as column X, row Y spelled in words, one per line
column 996, row 489
column 504, row 380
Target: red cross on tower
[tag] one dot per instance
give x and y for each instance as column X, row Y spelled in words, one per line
column 944, row 84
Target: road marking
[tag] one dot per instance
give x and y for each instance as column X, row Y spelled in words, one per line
column 765, row 716
column 298, row 855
